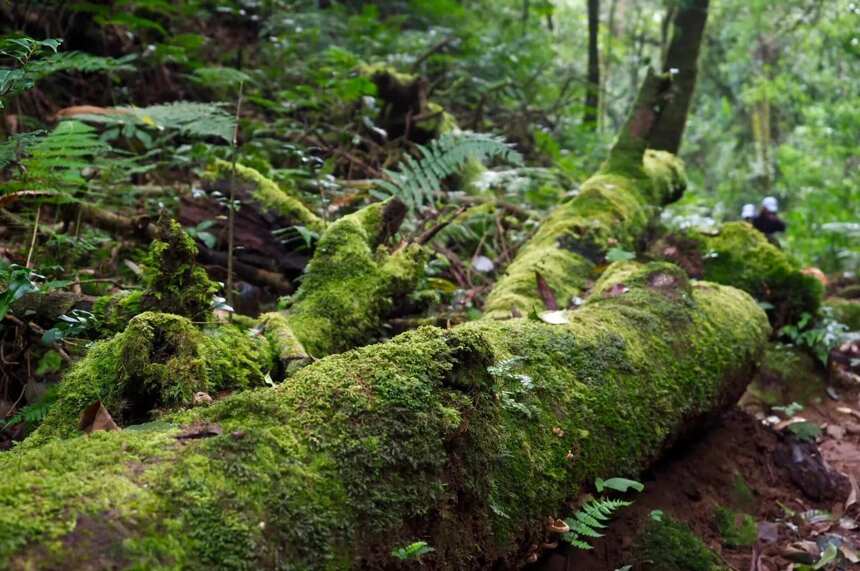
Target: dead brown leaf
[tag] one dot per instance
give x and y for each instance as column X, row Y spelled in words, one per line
column 96, row 418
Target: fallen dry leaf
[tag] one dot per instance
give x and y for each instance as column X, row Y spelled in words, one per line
column 96, row 418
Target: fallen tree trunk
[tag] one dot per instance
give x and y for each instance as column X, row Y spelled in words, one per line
column 467, row 439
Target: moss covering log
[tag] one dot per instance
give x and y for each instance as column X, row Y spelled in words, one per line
column 466, row 438
column 265, row 194
column 612, row 209
column 741, row 256
column 159, row 361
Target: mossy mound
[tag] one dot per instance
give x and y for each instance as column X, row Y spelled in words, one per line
column 740, row 256
column 173, row 283
column 353, row 280
column 467, row 438
column 156, row 364
column 669, row 545
column 787, row 374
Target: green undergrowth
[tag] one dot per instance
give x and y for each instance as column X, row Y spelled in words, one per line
column 364, row 451
column 737, row 529
column 666, row 544
column 846, row 311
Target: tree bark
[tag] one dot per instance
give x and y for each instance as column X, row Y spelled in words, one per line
column 681, row 63
column 592, row 90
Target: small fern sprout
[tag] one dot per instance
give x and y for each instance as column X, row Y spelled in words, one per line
column 585, row 524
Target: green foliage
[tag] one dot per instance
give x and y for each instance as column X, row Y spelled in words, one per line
column 38, row 59
column 16, row 282
column 618, row 484
column 419, row 182
column 591, row 517
column 619, row 255
column 189, row 118
column 57, row 161
column 412, row 551
column 736, row 529
column 666, row 544
column 33, row 414
column 805, row 431
column 819, row 336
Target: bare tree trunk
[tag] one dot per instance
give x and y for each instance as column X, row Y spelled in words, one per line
column 592, row 90
column 681, row 64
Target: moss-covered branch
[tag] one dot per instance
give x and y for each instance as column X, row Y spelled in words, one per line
column 611, row 210
column 740, row 256
column 467, row 439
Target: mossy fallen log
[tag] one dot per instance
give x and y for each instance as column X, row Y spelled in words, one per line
column 741, row 256
column 467, row 439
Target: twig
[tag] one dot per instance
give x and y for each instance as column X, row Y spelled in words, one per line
column 33, row 239
column 430, row 233
column 231, row 212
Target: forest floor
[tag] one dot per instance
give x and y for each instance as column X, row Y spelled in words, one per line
column 733, row 466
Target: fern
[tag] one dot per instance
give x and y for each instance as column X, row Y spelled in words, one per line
column 416, row 182
column 54, row 162
column 187, row 117
column 586, row 522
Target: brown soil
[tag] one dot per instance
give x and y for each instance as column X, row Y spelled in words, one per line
column 720, row 469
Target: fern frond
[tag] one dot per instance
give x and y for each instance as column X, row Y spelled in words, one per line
column 196, row 119
column 582, row 529
column 417, row 180
column 586, row 519
column 585, row 522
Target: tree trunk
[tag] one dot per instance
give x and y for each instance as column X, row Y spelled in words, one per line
column 681, row 63
column 592, row 90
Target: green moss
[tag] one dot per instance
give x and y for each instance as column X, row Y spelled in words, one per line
column 846, row 311
column 786, row 375
column 267, row 193
column 157, row 363
column 669, row 545
column 363, row 451
column 610, row 210
column 736, row 529
column 351, row 283
column 114, row 311
column 173, row 283
column 742, row 257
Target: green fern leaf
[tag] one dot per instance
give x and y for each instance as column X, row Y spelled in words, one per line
column 418, row 180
